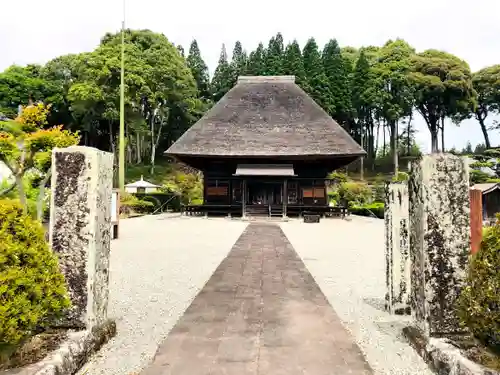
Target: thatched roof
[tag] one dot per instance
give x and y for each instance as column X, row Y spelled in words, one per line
column 266, row 117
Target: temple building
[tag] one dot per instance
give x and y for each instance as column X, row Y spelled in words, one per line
column 265, row 148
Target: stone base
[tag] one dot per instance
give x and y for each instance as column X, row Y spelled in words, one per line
column 311, row 218
column 72, row 354
column 442, row 356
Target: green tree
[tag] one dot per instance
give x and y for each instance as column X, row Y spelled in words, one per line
column 256, row 65
column 25, row 144
column 486, row 83
column 20, row 85
column 221, row 82
column 318, row 81
column 397, row 95
column 199, row 70
column 338, row 82
column 160, row 94
column 293, row 64
column 365, row 100
column 239, row 62
column 443, row 88
column 273, row 58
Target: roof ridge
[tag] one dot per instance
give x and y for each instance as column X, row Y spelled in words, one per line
column 266, row 79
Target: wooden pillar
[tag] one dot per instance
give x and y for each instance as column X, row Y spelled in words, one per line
column 244, row 198
column 285, row 197
column 476, row 219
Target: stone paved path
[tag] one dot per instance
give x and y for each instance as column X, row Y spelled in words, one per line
column 261, row 312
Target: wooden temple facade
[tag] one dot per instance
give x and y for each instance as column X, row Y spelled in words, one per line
column 266, row 148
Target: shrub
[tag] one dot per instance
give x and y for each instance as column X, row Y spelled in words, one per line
column 376, row 208
column 32, row 289
column 400, row 177
column 479, row 303
column 130, row 203
column 357, row 193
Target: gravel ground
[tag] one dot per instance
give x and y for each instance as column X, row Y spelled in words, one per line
column 347, row 260
column 158, row 265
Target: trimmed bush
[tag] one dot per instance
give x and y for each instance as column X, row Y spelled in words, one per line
column 376, row 208
column 356, row 192
column 479, row 303
column 32, row 288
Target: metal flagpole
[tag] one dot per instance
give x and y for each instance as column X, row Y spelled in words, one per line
column 121, row 157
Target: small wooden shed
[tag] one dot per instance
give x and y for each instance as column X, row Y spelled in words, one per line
column 491, row 199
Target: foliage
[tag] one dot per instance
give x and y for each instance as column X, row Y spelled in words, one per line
column 189, row 186
column 130, row 204
column 401, row 176
column 486, row 83
column 238, row 63
column 480, row 299
column 318, row 84
column 371, row 209
column 443, row 87
column 32, row 289
column 337, row 74
column 221, row 82
column 355, row 192
column 199, row 70
column 25, row 145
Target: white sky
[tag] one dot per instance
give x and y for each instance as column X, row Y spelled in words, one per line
column 35, row 32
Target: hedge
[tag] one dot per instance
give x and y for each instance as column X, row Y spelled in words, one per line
column 32, row 288
column 376, row 208
column 479, row 303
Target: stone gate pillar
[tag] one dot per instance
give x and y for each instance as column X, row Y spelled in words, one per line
column 80, row 226
column 439, row 240
column 397, row 250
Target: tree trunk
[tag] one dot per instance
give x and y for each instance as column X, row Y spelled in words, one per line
column 485, row 132
column 384, row 149
column 21, row 192
column 41, row 196
column 442, row 135
column 408, row 135
column 394, row 146
column 434, row 140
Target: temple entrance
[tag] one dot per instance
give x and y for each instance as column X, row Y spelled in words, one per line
column 265, row 193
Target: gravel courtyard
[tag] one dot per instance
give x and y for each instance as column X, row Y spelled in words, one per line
column 160, row 263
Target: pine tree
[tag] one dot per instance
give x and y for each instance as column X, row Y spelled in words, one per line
column 221, row 82
column 181, row 50
column 293, row 64
column 364, row 101
column 199, row 70
column 255, row 64
column 273, row 60
column 239, row 62
column 338, row 82
column 316, row 77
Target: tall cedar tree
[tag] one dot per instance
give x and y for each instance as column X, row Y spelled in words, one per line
column 316, row 77
column 364, row 101
column 238, row 63
column 199, row 70
column 293, row 64
column 255, row 64
column 273, row 58
column 221, row 82
column 338, row 81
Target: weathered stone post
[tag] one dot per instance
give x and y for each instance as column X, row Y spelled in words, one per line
column 80, row 226
column 397, row 250
column 439, row 240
